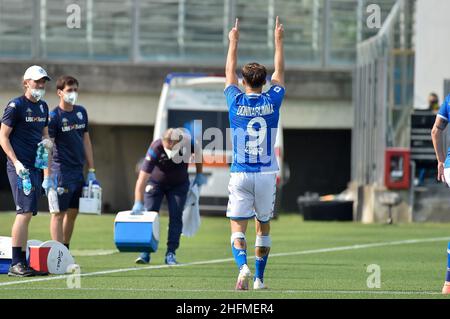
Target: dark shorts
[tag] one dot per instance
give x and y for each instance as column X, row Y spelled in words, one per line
column 71, row 196
column 24, row 203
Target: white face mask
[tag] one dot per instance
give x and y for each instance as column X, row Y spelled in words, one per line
column 37, row 94
column 170, row 153
column 71, row 97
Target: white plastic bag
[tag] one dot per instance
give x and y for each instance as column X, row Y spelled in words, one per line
column 191, row 212
column 53, row 204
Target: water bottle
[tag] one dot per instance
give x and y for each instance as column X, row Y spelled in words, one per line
column 85, row 192
column 96, row 193
column 26, row 183
column 41, row 161
column 53, row 204
column 38, row 163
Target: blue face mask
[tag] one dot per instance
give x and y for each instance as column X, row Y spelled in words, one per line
column 37, row 94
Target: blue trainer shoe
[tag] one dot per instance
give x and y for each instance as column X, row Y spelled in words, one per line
column 144, row 258
column 170, row 259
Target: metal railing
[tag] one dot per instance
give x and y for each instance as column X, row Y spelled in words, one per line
column 382, row 94
column 319, row 33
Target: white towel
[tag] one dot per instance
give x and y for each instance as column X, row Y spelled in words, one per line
column 191, row 212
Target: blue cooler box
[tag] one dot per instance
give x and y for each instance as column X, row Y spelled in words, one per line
column 5, row 254
column 136, row 233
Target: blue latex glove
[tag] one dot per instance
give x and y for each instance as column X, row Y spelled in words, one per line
column 91, row 177
column 48, row 183
column 138, row 208
column 200, row 179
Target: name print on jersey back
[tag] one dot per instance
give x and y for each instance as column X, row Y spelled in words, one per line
column 254, row 125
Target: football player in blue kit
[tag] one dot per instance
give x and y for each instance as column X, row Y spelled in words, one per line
column 24, row 127
column 253, row 116
column 68, row 128
column 437, row 135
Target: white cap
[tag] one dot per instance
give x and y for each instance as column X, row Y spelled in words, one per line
column 35, row 72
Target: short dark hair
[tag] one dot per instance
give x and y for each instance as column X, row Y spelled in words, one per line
column 65, row 80
column 254, row 74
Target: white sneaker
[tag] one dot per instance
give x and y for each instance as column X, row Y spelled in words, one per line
column 243, row 278
column 258, row 284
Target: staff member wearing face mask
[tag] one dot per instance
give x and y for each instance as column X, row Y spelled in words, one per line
column 68, row 129
column 165, row 173
column 24, row 126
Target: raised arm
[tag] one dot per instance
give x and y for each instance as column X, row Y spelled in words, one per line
column 437, row 134
column 230, row 68
column 278, row 74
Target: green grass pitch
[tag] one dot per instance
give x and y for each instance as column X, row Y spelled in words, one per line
column 309, row 260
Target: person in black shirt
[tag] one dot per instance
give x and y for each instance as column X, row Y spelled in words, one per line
column 25, row 127
column 164, row 172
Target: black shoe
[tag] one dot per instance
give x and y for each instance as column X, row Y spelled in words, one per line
column 39, row 273
column 20, row 270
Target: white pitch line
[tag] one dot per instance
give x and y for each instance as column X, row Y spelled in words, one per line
column 290, row 291
column 218, row 261
column 96, row 252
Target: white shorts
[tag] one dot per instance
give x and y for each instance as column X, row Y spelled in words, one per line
column 252, row 195
column 447, row 176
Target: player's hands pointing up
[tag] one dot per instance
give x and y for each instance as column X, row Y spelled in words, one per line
column 234, row 33
column 279, row 29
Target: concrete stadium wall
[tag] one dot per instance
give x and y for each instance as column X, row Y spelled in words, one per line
column 140, row 109
column 432, row 63
column 127, row 94
column 99, row 77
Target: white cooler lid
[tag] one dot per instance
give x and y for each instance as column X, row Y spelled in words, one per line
column 145, row 217
column 59, row 257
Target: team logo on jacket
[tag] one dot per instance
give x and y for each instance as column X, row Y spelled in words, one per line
column 67, row 127
column 30, row 118
column 80, row 115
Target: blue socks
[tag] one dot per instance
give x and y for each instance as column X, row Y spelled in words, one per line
column 240, row 256
column 447, row 277
column 260, row 265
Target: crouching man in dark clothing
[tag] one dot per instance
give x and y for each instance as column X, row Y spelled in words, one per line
column 164, row 172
